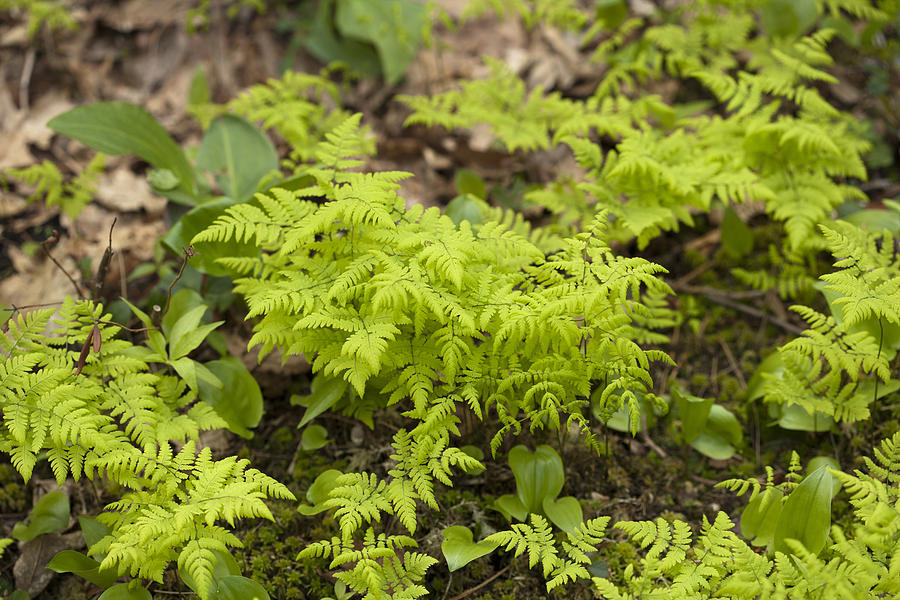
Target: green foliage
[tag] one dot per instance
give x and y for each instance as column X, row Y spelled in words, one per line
column 52, row 13
column 296, row 107
column 668, row 160
column 459, row 549
column 796, row 511
column 711, row 429
column 373, row 38
column 562, row 13
column 436, row 317
column 50, row 513
column 539, row 479
column 117, row 128
column 71, row 196
column 118, row 419
column 536, row 540
column 198, row 17
column 840, row 365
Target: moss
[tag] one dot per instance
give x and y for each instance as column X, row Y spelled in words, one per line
column 13, row 496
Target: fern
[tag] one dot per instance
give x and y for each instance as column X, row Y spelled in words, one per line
column 665, row 162
column 52, row 13
column 436, row 316
column 296, row 107
column 562, row 13
column 118, row 419
column 830, row 368
column 537, row 541
column 50, row 185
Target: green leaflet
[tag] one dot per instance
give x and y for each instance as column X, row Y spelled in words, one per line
column 238, row 400
column 760, row 517
column 539, row 479
column 117, row 419
column 50, row 513
column 459, row 549
column 806, row 514
column 70, row 561
column 239, row 155
column 314, row 437
column 711, row 429
column 125, row 591
column 118, row 128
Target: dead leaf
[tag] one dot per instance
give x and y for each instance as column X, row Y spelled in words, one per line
column 123, row 191
column 30, row 570
column 140, row 14
column 30, row 128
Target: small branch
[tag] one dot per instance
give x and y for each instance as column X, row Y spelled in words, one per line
column 129, row 329
column 725, row 299
column 45, row 247
column 188, row 253
column 103, row 269
column 482, row 584
column 734, row 364
column 25, row 78
column 645, row 436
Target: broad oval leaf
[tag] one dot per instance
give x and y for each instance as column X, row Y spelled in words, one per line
column 92, row 529
column 318, row 492
column 50, row 513
column 235, row 587
column 796, row 418
column 118, row 128
column 538, row 474
column 70, row 561
column 694, row 413
column 187, row 333
column 239, row 154
column 224, row 565
column 830, row 464
column 123, row 591
column 459, row 549
column 324, row 393
column 182, row 233
column 509, row 505
column 238, row 400
column 761, row 517
column 314, row 437
column 565, row 513
column 393, row 26
column 806, row 515
column 737, row 237
column 721, row 433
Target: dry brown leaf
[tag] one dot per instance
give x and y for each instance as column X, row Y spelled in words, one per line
column 140, row 14
column 123, row 191
column 30, row 570
column 30, row 128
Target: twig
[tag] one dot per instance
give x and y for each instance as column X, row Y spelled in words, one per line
column 188, row 252
column 449, row 583
column 129, row 329
column 723, row 298
column 44, row 246
column 25, row 79
column 734, row 365
column 645, row 435
column 482, row 584
column 103, row 269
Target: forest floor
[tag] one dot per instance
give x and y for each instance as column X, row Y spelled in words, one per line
column 141, row 52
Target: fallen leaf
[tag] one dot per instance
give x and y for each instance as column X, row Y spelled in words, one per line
column 30, row 569
column 124, row 191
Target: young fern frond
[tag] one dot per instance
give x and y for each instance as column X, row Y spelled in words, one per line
column 435, row 315
column 71, row 196
column 117, row 419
